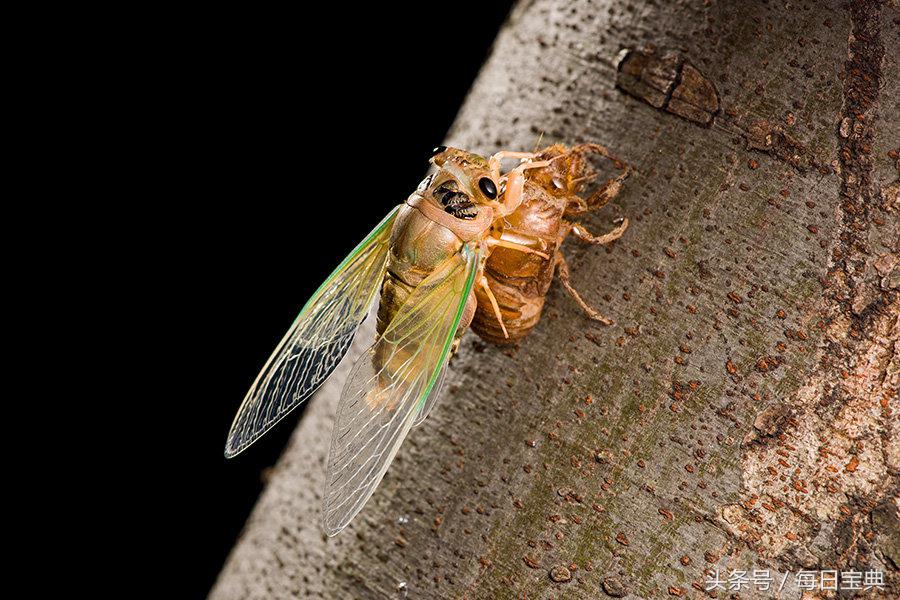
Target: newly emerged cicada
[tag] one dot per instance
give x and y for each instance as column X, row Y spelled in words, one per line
column 551, row 196
column 425, row 258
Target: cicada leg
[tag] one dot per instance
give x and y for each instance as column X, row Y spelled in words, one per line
column 483, row 282
column 606, row 192
column 505, row 243
column 592, row 312
column 585, row 235
column 599, row 240
column 515, row 185
column 497, row 158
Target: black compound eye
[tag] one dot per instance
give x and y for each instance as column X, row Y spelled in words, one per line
column 488, row 187
column 437, row 150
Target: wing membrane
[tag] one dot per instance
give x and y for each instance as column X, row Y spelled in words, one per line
column 390, row 384
column 316, row 342
column 433, row 396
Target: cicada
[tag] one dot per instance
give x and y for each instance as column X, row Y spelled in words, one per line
column 423, row 262
column 550, row 198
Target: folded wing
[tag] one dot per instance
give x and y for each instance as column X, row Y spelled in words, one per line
column 433, row 397
column 390, row 384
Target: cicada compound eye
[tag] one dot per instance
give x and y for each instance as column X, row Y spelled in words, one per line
column 488, row 187
column 438, row 150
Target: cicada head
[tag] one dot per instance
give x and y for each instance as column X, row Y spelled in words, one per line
column 462, row 182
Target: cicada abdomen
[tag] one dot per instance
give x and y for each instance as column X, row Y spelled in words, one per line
column 520, row 280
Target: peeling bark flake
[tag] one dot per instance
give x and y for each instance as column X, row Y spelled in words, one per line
column 669, row 82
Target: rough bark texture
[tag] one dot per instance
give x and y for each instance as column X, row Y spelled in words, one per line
column 741, row 414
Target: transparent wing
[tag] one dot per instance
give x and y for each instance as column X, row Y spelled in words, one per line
column 389, row 385
column 316, row 342
column 433, row 397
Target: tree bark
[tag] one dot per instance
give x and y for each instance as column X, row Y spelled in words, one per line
column 740, row 414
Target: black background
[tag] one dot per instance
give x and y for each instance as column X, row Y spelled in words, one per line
column 285, row 139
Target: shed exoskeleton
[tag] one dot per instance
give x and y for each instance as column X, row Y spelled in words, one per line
column 550, row 196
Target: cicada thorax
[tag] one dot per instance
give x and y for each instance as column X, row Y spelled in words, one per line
column 446, row 212
column 419, row 245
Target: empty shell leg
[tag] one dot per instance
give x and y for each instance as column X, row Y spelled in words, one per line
column 593, row 313
column 487, row 290
column 608, row 190
column 598, row 240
